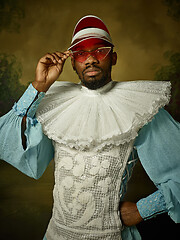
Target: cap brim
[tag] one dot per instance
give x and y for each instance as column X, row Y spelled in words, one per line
column 86, row 40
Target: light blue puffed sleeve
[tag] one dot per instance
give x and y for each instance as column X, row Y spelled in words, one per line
column 39, row 151
column 150, row 206
column 158, row 147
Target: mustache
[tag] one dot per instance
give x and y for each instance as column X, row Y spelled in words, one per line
column 91, row 66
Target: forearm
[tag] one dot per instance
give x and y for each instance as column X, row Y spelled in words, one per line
column 48, row 70
column 23, row 128
column 26, row 108
column 34, row 159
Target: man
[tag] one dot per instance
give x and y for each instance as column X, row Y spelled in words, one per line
column 92, row 130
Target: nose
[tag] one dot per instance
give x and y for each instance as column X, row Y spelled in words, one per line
column 91, row 60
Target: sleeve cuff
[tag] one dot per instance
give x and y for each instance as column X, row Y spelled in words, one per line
column 152, row 205
column 32, row 110
column 26, row 100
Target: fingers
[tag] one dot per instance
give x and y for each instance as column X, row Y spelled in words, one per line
column 55, row 58
column 61, row 56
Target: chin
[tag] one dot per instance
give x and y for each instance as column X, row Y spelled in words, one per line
column 93, row 83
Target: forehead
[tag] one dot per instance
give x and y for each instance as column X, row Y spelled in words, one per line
column 90, row 44
column 89, row 48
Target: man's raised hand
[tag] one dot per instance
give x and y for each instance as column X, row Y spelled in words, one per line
column 48, row 70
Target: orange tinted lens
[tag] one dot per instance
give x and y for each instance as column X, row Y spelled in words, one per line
column 99, row 54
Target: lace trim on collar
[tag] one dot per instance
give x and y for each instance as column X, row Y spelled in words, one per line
column 93, row 119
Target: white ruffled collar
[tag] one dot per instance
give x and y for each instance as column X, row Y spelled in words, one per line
column 98, row 91
column 81, row 118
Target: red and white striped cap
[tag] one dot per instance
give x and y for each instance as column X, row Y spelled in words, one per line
column 90, row 27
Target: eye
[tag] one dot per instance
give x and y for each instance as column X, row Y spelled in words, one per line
column 80, row 54
column 100, row 50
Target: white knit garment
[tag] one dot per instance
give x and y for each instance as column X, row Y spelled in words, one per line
column 93, row 132
column 86, row 193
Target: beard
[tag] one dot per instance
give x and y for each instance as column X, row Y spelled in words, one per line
column 94, row 82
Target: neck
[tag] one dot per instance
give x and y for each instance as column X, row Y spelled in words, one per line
column 95, row 84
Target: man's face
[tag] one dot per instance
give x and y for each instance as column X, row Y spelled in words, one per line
column 94, row 73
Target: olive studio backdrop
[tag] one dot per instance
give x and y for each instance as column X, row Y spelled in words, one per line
column 146, row 37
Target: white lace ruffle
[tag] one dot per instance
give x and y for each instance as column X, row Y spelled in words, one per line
column 80, row 118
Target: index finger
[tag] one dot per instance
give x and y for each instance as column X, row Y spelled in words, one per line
column 64, row 54
column 67, row 52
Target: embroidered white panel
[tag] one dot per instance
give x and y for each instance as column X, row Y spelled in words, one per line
column 86, row 193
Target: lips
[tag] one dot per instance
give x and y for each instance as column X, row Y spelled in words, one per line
column 92, row 71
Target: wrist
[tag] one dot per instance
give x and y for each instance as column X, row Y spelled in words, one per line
column 129, row 214
column 40, row 86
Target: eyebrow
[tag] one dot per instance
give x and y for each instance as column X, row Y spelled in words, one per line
column 95, row 45
column 78, row 50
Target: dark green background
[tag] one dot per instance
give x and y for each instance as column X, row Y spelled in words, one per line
column 146, row 38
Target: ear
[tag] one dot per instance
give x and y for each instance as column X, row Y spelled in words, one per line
column 114, row 58
column 73, row 63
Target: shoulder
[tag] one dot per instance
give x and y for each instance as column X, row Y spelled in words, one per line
column 144, row 84
column 162, row 126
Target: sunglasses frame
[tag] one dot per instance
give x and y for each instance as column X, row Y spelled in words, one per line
column 90, row 53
